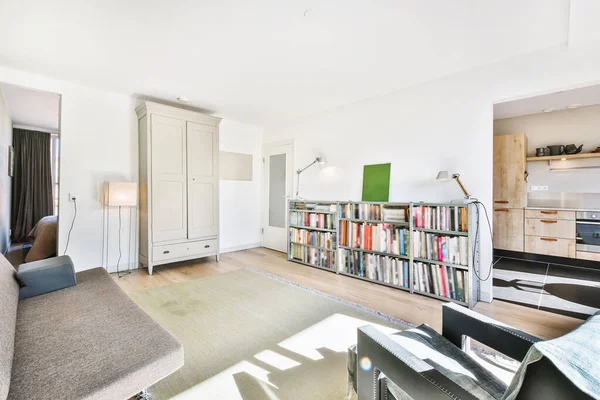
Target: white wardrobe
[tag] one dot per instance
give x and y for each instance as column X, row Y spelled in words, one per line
column 179, row 184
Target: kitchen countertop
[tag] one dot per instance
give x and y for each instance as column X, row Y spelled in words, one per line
column 562, row 209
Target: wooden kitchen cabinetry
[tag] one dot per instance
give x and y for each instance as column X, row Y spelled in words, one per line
column 510, row 190
column 550, row 232
column 508, row 229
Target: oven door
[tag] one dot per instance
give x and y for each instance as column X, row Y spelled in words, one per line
column 588, row 236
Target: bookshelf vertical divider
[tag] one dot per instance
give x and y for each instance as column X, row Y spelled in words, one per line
column 377, row 242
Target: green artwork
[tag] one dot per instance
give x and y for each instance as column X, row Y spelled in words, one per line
column 376, row 182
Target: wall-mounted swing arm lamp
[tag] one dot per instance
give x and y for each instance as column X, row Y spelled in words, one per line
column 444, row 176
column 317, row 160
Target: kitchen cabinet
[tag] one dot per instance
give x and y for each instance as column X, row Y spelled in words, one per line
column 508, row 229
column 510, row 187
column 550, row 232
column 550, row 246
column 556, row 228
column 510, row 190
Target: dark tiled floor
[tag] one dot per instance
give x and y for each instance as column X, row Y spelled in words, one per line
column 567, row 290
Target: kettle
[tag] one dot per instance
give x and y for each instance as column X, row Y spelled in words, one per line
column 572, row 149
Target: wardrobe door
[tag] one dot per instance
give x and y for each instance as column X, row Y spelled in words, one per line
column 202, row 153
column 169, row 191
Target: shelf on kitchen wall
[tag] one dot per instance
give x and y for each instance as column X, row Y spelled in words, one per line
column 564, row 157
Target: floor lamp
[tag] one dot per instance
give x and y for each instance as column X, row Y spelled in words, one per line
column 121, row 194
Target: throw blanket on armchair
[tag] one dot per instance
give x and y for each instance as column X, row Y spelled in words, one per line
column 575, row 354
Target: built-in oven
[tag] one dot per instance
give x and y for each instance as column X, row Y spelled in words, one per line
column 588, row 231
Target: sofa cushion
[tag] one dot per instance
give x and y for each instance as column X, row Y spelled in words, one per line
column 431, row 347
column 9, row 298
column 88, row 341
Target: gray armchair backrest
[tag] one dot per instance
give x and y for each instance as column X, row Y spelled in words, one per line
column 544, row 381
column 9, row 298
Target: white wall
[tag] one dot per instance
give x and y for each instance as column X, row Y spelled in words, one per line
column 577, row 126
column 446, row 124
column 5, row 180
column 98, row 143
column 240, row 200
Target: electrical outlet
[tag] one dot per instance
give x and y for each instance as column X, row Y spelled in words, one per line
column 540, row 188
column 72, row 197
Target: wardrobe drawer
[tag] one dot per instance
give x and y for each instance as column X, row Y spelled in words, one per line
column 550, row 246
column 184, row 250
column 550, row 214
column 554, row 228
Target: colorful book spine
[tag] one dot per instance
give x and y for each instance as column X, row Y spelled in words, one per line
column 439, row 280
column 376, row 267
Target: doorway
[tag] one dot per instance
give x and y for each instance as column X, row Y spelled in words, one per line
column 29, row 186
column 546, row 161
column 278, row 174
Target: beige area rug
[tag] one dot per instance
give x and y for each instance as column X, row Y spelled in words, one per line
column 252, row 336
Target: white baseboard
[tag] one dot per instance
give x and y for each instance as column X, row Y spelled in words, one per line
column 122, row 267
column 242, row 247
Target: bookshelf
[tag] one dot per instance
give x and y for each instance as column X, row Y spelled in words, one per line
column 312, row 233
column 441, row 251
column 422, row 248
column 373, row 242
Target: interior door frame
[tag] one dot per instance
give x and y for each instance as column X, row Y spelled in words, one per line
column 265, row 184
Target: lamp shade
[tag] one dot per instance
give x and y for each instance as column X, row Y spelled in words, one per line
column 443, row 176
column 120, row 194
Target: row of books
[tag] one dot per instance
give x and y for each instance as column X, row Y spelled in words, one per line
column 317, row 257
column 446, row 218
column 381, row 237
column 360, row 211
column 375, row 267
column 450, row 249
column 313, row 238
column 313, row 207
column 375, row 212
column 439, row 280
column 312, row 220
column 395, row 213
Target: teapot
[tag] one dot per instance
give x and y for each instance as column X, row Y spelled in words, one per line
column 572, row 149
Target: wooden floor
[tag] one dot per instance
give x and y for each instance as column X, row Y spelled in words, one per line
column 409, row 307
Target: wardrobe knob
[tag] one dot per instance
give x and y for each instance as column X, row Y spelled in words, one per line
column 207, row 246
column 166, row 252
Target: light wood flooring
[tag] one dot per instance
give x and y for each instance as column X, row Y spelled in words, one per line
column 413, row 308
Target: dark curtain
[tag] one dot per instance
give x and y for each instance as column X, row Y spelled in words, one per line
column 32, row 181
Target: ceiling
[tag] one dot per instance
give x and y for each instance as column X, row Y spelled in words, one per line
column 32, row 108
column 580, row 97
column 264, row 61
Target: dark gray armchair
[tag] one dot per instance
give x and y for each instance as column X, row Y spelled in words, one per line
column 422, row 364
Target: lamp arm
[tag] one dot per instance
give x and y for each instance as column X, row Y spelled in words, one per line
column 298, row 184
column 457, row 178
column 301, row 170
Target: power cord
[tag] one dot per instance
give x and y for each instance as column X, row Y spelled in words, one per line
column 119, row 259
column 477, row 203
column 72, row 224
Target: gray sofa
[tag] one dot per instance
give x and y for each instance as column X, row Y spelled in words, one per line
column 88, row 341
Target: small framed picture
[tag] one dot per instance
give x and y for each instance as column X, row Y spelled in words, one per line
column 11, row 161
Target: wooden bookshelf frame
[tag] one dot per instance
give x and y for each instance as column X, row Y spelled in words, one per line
column 336, row 216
